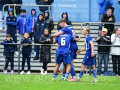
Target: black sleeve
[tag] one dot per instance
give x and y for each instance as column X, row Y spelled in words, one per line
column 113, row 19
column 107, row 38
column 51, row 26
column 37, row 2
column 51, row 40
column 42, row 40
column 50, row 1
column 104, row 19
column 98, row 39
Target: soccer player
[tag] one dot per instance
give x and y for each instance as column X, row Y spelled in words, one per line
column 89, row 55
column 63, row 55
column 73, row 46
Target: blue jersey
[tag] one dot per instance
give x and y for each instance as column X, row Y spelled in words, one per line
column 68, row 30
column 64, row 43
column 87, row 43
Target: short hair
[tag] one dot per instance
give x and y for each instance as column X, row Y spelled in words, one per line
column 62, row 20
column 8, row 35
column 88, row 29
column 46, row 29
column 27, row 33
column 109, row 10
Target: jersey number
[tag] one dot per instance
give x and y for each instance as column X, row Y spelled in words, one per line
column 63, row 41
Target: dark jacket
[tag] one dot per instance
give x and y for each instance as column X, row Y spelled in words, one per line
column 2, row 3
column 50, row 23
column 45, row 52
column 30, row 21
column 41, row 2
column 103, row 40
column 26, row 49
column 110, row 27
column 21, row 24
column 11, row 24
column 17, row 8
column 8, row 49
column 39, row 30
column 68, row 21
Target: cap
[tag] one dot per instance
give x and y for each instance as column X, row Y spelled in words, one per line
column 104, row 29
column 46, row 11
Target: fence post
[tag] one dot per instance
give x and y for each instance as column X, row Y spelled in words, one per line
column 19, row 59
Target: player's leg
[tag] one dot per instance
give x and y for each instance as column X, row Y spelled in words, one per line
column 67, row 61
column 64, row 71
column 55, row 74
column 94, row 73
column 58, row 62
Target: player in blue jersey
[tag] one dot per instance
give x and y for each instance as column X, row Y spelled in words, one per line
column 89, row 55
column 73, row 47
column 63, row 55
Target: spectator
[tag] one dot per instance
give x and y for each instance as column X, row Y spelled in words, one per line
column 2, row 3
column 103, row 51
column 115, row 51
column 44, row 2
column 45, row 53
column 11, row 22
column 26, row 51
column 17, row 8
column 65, row 16
column 49, row 21
column 39, row 27
column 103, row 5
column 21, row 24
column 108, row 17
column 30, row 22
column 8, row 53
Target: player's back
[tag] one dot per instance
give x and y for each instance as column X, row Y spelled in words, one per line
column 64, row 43
column 87, row 44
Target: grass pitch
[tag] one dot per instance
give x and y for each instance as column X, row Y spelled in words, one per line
column 43, row 82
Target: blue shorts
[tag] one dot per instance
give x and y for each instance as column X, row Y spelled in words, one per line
column 73, row 51
column 88, row 60
column 65, row 58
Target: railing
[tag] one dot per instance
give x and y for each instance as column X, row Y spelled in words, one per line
column 19, row 46
column 88, row 24
column 28, row 5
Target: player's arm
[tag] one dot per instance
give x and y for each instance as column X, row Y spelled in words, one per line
column 80, row 50
column 58, row 34
column 92, row 48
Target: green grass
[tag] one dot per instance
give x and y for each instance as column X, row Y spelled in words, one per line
column 43, row 82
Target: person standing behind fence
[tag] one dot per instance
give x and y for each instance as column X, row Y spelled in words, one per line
column 64, row 16
column 8, row 53
column 110, row 18
column 115, row 51
column 44, row 2
column 49, row 21
column 45, row 52
column 11, row 22
column 30, row 22
column 26, row 51
column 16, row 8
column 103, row 5
column 103, row 51
column 39, row 27
column 21, row 24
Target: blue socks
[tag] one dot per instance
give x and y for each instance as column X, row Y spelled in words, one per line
column 81, row 74
column 66, row 75
column 95, row 73
column 55, row 75
column 72, row 70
